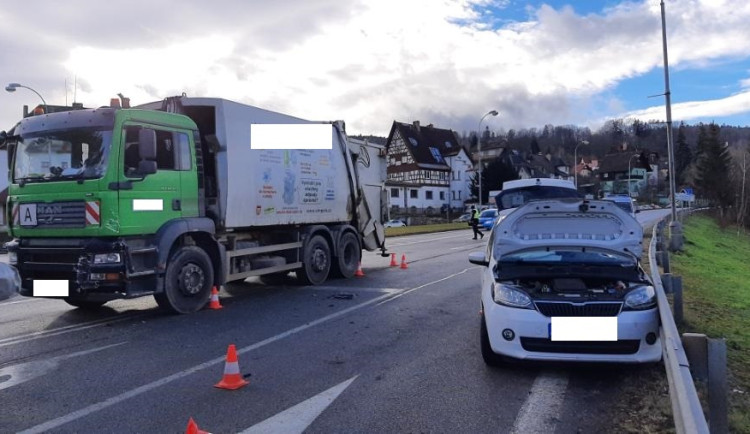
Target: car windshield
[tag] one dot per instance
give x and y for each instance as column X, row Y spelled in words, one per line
column 77, row 153
column 568, row 256
column 513, row 198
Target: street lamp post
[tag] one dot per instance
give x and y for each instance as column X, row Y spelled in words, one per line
column 479, row 148
column 629, row 160
column 575, row 162
column 11, row 87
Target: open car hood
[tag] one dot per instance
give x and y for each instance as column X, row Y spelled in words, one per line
column 568, row 222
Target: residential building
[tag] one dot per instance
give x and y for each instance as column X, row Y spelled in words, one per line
column 624, row 173
column 427, row 168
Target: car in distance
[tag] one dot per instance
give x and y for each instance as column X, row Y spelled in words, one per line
column 561, row 280
column 394, row 224
column 623, row 201
column 521, row 191
column 463, row 218
column 487, row 218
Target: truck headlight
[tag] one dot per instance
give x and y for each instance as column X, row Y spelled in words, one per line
column 508, row 296
column 641, row 298
column 107, row 258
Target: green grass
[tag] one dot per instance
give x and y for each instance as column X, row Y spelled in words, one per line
column 715, row 270
column 423, row 229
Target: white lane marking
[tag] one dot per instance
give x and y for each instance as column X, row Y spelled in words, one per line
column 406, row 291
column 6, row 303
column 423, row 241
column 62, row 420
column 296, row 419
column 541, row 410
column 355, row 289
column 13, row 340
column 23, row 372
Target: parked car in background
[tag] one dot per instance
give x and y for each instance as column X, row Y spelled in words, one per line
column 487, row 218
column 561, row 280
column 394, row 224
column 463, row 218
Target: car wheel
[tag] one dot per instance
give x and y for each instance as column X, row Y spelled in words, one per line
column 490, row 357
column 316, row 260
column 349, row 255
column 83, row 303
column 187, row 282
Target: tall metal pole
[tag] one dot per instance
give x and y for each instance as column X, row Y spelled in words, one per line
column 675, row 228
column 479, row 149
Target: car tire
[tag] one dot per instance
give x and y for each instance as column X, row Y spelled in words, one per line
column 490, row 357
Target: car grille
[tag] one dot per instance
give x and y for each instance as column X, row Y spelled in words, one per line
column 543, row 345
column 565, row 308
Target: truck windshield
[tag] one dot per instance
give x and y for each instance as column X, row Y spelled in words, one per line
column 76, row 153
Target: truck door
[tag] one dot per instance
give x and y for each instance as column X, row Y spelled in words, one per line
column 147, row 203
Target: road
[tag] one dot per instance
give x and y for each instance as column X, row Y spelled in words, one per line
column 394, row 351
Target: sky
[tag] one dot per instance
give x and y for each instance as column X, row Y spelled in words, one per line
column 370, row 62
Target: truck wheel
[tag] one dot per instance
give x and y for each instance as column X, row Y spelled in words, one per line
column 84, row 304
column 187, row 282
column 350, row 253
column 316, row 260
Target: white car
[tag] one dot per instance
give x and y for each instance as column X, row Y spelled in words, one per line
column 394, row 224
column 521, row 191
column 625, row 202
column 561, row 281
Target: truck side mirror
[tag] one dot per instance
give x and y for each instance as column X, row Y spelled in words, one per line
column 147, row 144
column 146, row 167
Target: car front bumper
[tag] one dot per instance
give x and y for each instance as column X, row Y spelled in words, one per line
column 531, row 337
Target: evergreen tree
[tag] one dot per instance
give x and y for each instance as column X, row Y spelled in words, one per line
column 535, row 146
column 713, row 170
column 683, row 155
column 493, row 177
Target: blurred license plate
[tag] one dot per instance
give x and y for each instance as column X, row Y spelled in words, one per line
column 583, row 328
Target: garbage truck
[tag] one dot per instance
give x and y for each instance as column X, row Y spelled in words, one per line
column 172, row 198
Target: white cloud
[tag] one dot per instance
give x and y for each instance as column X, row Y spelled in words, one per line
column 697, row 110
column 370, row 62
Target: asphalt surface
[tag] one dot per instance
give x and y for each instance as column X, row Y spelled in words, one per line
column 394, row 351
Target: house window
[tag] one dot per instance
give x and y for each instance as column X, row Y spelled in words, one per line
column 428, row 195
column 394, row 192
column 414, row 194
column 442, row 195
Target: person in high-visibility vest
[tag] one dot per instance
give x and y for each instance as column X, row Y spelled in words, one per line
column 475, row 222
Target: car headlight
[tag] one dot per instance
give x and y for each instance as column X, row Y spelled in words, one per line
column 508, row 296
column 641, row 298
column 107, row 258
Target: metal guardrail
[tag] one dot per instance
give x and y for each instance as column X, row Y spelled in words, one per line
column 686, row 408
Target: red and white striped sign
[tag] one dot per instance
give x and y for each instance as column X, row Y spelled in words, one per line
column 92, row 212
column 16, row 217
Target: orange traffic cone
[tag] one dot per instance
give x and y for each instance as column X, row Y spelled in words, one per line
column 214, row 304
column 232, row 379
column 393, row 260
column 359, row 272
column 403, row 262
column 192, row 428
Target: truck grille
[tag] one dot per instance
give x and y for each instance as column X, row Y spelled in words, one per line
column 565, row 308
column 61, row 215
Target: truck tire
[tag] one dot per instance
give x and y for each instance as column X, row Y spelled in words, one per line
column 187, row 282
column 83, row 303
column 349, row 255
column 316, row 261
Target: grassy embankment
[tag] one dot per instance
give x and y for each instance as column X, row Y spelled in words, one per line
column 715, row 270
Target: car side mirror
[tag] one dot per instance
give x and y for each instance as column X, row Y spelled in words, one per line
column 479, row 258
